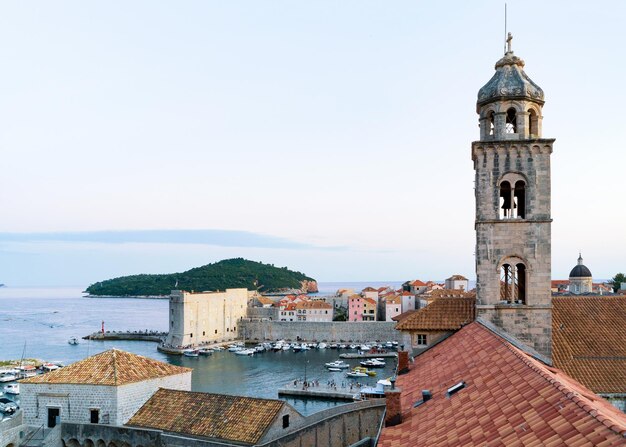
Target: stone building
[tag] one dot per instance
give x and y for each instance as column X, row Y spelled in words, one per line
column 200, row 318
column 457, row 282
column 580, row 278
column 314, row 311
column 107, row 388
column 513, row 216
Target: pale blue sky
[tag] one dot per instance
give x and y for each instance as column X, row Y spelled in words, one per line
column 336, row 135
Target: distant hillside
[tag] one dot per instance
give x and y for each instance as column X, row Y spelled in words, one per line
column 230, row 273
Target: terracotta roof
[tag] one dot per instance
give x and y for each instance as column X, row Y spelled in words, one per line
column 290, row 306
column 369, row 301
column 451, row 293
column 443, row 314
column 457, row 278
column 589, row 340
column 221, row 416
column 313, row 305
column 509, row 399
column 112, row 367
column 417, row 283
column 370, row 289
column 405, row 293
column 404, row 315
column 559, row 282
column 264, row 300
column 394, row 300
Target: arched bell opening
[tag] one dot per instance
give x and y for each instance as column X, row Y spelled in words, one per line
column 510, row 126
column 533, row 123
column 513, row 283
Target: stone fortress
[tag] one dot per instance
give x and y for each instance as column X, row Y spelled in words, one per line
column 512, row 188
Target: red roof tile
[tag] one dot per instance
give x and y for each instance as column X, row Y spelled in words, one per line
column 443, row 314
column 509, row 399
column 589, row 340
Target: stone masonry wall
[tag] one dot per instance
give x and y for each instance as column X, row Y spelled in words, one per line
column 132, row 396
column 335, row 331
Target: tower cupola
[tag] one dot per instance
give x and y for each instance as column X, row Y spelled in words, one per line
column 510, row 104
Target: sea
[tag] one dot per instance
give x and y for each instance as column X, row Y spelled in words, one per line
column 38, row 322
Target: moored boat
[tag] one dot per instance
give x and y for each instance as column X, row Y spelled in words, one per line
column 337, row 364
column 12, row 388
column 205, row 352
column 191, row 353
column 73, row 341
column 7, row 377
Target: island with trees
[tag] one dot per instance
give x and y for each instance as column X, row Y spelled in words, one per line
column 226, row 274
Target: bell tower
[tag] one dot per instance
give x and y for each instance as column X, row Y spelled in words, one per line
column 513, row 221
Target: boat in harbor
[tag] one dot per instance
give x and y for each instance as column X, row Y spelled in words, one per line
column 322, row 345
column 373, row 363
column 334, row 369
column 337, row 364
column 191, row 353
column 245, row 352
column 205, row 352
column 356, row 374
column 47, row 367
column 73, row 341
column 7, row 377
column 12, row 388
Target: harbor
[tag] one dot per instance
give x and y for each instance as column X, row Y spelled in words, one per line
column 315, row 389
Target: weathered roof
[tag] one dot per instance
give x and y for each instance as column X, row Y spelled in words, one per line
column 443, row 314
column 509, row 399
column 450, row 293
column 457, row 278
column 264, row 300
column 313, row 305
column 417, row 283
column 589, row 340
column 221, row 416
column 394, row 300
column 509, row 82
column 112, row 367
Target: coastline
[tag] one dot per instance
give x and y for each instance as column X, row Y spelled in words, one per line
column 143, row 297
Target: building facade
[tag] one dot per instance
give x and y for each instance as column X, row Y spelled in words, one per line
column 198, row 318
column 314, row 311
column 513, row 200
column 580, row 278
column 458, row 282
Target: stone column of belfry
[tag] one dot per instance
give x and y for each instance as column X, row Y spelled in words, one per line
column 517, row 154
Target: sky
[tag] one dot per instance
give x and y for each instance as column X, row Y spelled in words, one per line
column 330, row 137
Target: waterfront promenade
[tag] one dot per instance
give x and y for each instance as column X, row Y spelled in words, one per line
column 344, row 390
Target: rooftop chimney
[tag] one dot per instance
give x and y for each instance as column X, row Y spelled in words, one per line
column 393, row 415
column 403, row 362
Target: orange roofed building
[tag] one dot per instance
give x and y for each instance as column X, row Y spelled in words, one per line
column 477, row 389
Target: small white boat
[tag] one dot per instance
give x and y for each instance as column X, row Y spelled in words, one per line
column 245, row 352
column 337, row 364
column 365, row 347
column 332, row 346
column 353, row 346
column 286, row 347
column 218, row 348
column 341, row 346
column 389, row 345
column 235, row 348
column 73, row 341
column 322, row 345
column 7, row 377
column 206, row 352
column 334, row 369
column 373, row 363
column 259, row 348
column 190, row 353
column 356, row 374
column 47, row 367
column 13, row 388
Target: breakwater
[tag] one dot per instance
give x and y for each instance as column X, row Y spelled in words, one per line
column 335, row 331
column 134, row 335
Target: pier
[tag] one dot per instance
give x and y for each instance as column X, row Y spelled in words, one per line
column 367, row 355
column 134, row 335
column 321, row 390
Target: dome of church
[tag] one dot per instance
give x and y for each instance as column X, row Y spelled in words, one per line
column 510, row 82
column 581, row 270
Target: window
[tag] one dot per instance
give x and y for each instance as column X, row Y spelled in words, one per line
column 511, row 121
column 216, row 331
column 191, row 335
column 286, row 421
column 492, row 119
column 94, row 416
column 513, row 282
column 203, row 334
column 421, row 339
column 512, row 197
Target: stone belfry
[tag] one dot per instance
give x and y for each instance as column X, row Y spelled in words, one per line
column 512, row 188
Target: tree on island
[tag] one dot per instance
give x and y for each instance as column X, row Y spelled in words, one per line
column 617, row 281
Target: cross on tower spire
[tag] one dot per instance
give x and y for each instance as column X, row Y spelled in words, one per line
column 508, row 43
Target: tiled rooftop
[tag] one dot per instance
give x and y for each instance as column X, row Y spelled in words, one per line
column 313, row 305
column 589, row 340
column 443, row 314
column 221, row 416
column 112, row 367
column 450, row 293
column 509, row 399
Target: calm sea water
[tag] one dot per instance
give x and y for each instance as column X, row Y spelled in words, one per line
column 38, row 323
